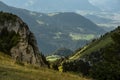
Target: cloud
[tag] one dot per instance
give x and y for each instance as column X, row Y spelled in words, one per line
column 99, row 2
column 30, row 2
column 106, row 4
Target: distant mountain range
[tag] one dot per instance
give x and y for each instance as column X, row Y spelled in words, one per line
column 107, row 20
column 56, row 30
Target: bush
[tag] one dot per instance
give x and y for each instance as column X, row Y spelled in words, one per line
column 7, row 17
column 106, row 71
column 8, row 40
column 78, row 66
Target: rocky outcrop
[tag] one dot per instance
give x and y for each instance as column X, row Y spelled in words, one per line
column 26, row 49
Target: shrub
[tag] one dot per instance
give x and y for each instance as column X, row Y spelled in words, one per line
column 78, row 66
column 8, row 40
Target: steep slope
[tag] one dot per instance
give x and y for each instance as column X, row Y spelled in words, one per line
column 95, row 45
column 99, row 59
column 18, row 41
column 56, row 30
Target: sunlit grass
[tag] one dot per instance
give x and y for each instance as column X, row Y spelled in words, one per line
column 52, row 58
column 9, row 70
column 75, row 36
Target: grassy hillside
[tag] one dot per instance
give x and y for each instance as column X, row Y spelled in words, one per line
column 100, row 59
column 9, row 70
column 95, row 45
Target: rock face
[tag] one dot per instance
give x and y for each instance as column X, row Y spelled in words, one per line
column 26, row 49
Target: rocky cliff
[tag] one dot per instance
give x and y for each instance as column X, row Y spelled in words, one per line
column 18, row 41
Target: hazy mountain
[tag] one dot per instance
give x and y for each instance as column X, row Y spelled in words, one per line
column 105, row 19
column 55, row 30
column 64, row 52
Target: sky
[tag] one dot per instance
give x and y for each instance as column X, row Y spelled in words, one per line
column 54, row 5
column 106, row 4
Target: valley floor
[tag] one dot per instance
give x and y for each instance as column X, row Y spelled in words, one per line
column 9, row 70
